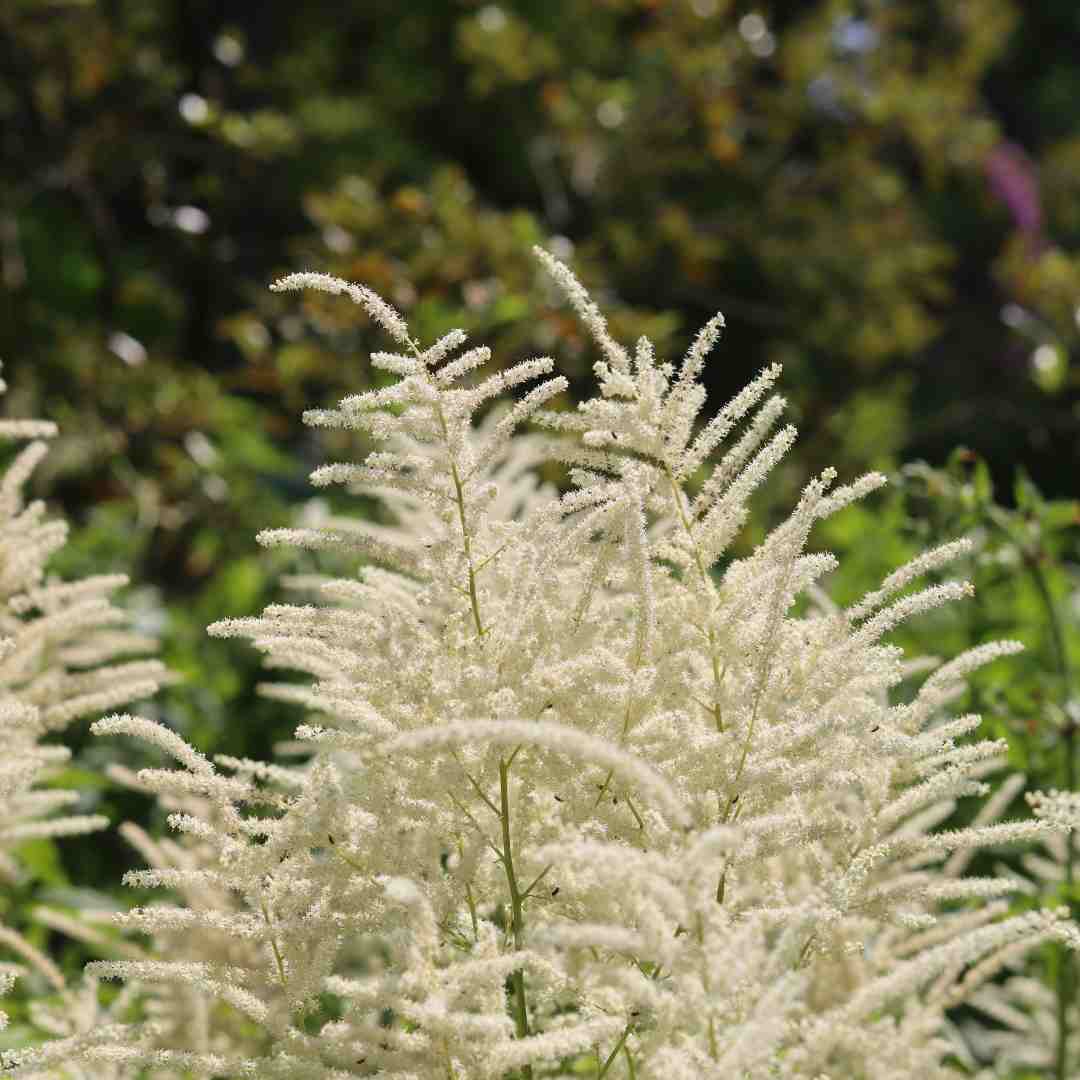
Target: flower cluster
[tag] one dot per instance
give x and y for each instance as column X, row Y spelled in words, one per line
column 580, row 793
column 65, row 653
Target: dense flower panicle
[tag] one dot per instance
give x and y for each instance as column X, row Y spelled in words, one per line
column 580, row 787
column 65, row 653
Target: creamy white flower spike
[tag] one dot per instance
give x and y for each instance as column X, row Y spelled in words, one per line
column 65, row 653
column 584, row 794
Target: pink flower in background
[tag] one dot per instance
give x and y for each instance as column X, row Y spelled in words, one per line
column 1014, row 180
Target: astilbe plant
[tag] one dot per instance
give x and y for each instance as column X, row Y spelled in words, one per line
column 585, row 794
column 1033, row 1023
column 65, row 653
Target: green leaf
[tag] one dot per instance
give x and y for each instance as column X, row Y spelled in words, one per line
column 41, row 858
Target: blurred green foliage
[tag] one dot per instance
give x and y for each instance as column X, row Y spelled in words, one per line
column 882, row 194
column 1025, row 566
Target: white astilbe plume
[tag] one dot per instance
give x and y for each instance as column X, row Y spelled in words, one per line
column 585, row 795
column 1026, row 1011
column 65, row 653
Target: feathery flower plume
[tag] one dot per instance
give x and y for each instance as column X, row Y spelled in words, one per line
column 583, row 794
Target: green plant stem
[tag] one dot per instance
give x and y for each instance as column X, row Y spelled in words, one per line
column 1065, row 965
column 603, row 1070
column 472, row 912
column 627, row 715
column 517, row 980
column 1065, row 981
column 699, row 933
column 459, row 494
column 278, row 959
column 474, row 598
column 1065, row 986
column 706, row 580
